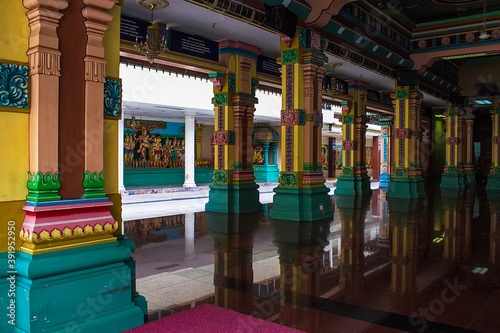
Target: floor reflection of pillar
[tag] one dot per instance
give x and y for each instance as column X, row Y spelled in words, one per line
column 189, row 236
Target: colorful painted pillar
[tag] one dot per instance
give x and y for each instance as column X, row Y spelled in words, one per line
column 493, row 184
column 469, row 172
column 233, row 253
column 406, row 177
column 404, row 217
column 72, row 254
column 300, row 248
column 453, row 176
column 385, row 123
column 301, row 194
column 383, row 237
column 353, row 178
column 352, row 211
column 234, row 189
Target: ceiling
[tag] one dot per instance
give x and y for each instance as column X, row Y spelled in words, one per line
column 422, row 11
column 190, row 18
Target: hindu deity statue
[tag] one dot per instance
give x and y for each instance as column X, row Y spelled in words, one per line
column 157, row 149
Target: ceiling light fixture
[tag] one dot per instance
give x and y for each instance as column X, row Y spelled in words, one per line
column 330, row 84
column 153, row 45
column 483, row 34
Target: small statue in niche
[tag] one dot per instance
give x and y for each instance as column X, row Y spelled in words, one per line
column 166, row 153
column 128, row 146
column 157, row 150
column 258, row 155
column 144, row 145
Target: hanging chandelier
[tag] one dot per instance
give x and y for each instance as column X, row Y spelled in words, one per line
column 153, row 45
column 330, row 86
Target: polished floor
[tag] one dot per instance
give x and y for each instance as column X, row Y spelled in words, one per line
column 380, row 265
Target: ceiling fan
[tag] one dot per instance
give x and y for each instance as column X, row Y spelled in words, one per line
column 483, row 34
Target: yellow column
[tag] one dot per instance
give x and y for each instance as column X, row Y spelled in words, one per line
column 301, row 193
column 406, row 178
column 494, row 176
column 453, row 177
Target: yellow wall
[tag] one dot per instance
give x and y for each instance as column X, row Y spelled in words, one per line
column 112, row 44
column 14, row 31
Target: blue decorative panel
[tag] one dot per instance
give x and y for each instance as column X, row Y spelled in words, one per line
column 112, row 98
column 14, row 86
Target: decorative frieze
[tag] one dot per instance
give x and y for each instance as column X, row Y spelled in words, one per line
column 112, row 98
column 95, row 70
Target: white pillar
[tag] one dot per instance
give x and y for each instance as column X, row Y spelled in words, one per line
column 189, row 153
column 189, row 229
column 121, row 186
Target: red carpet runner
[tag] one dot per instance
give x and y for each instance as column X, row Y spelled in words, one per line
column 208, row 318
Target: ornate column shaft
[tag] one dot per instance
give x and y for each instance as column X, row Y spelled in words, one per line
column 494, row 176
column 453, row 177
column 406, row 178
column 274, row 145
column 469, row 172
column 234, row 189
column 44, row 61
column 301, row 194
column 385, row 151
column 353, row 179
column 97, row 15
column 266, row 153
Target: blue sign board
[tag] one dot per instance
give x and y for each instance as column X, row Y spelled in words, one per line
column 131, row 27
column 268, row 65
column 193, row 45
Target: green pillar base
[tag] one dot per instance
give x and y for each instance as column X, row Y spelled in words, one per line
column 354, row 186
column 493, row 184
column 266, row 173
column 452, row 181
column 301, row 204
column 470, row 180
column 406, row 188
column 85, row 289
column 233, row 198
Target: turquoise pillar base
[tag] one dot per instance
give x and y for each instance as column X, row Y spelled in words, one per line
column 385, row 178
column 493, row 184
column 354, row 186
column 301, row 204
column 266, row 173
column 233, row 198
column 452, row 181
column 5, row 326
column 86, row 289
column 406, row 188
column 470, row 180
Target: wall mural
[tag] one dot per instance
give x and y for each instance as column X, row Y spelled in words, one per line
column 153, row 144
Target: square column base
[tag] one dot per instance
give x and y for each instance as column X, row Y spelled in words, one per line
column 353, row 186
column 493, row 184
column 301, row 204
column 266, row 173
column 86, row 289
column 452, row 181
column 233, row 198
column 406, row 188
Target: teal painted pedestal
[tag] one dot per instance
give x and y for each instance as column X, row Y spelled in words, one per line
column 493, row 184
column 406, row 188
column 301, row 204
column 5, row 298
column 266, row 173
column 452, row 181
column 233, row 198
column 86, row 289
column 354, row 186
column 156, row 177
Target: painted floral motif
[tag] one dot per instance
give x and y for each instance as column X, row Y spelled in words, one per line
column 288, row 179
column 112, row 98
column 347, row 145
column 469, row 37
column 422, row 43
column 14, row 86
column 288, row 117
column 445, row 40
column 401, row 133
column 452, row 141
column 496, row 140
column 220, row 118
column 220, row 138
column 231, row 82
column 315, row 40
column 220, row 176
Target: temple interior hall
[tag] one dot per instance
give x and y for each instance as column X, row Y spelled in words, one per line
column 249, row 166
